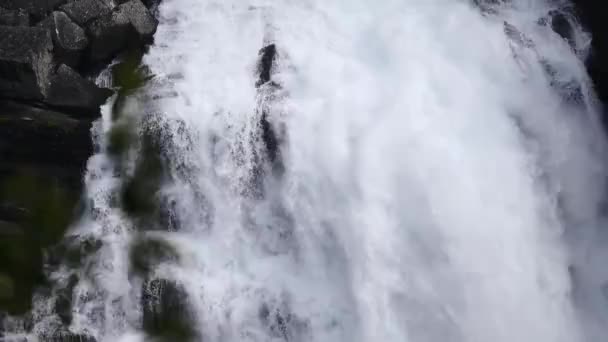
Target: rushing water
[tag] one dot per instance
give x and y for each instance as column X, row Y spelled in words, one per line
column 414, row 170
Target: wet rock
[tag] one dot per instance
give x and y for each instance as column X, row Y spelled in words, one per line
column 70, row 90
column 140, row 18
column 108, row 35
column 561, row 25
column 166, row 313
column 69, row 38
column 31, row 135
column 147, row 253
column 85, row 11
column 14, row 17
column 37, row 8
column 267, row 56
column 591, row 14
column 73, row 251
column 63, row 300
column 25, row 62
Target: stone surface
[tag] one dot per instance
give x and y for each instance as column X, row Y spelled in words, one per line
column 70, row 90
column 85, row 11
column 34, row 135
column 108, row 35
column 37, row 8
column 25, row 62
column 593, row 18
column 140, row 18
column 14, row 17
column 69, row 39
column 165, row 310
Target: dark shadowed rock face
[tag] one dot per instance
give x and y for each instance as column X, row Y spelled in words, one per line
column 140, row 18
column 69, row 39
column 85, row 11
column 37, row 8
column 25, row 62
column 593, row 17
column 71, row 91
column 14, row 17
column 31, row 135
column 166, row 313
column 108, row 34
column 47, row 106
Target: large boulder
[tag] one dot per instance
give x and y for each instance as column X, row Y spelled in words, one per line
column 108, row 35
column 69, row 39
column 140, row 18
column 14, row 17
column 25, row 62
column 85, row 11
column 31, row 135
column 71, row 91
column 166, row 312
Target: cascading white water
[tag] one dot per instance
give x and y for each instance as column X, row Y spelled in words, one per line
column 431, row 171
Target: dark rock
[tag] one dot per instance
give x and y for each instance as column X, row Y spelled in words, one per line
column 14, row 213
column 267, row 56
column 562, row 26
column 69, row 38
column 146, row 254
column 38, row 8
column 108, row 35
column 63, row 300
column 14, row 17
column 593, row 18
column 140, row 18
column 73, row 251
column 85, row 11
column 25, row 62
column 70, row 90
column 31, row 135
column 166, row 311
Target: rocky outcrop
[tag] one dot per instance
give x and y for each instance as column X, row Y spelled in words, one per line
column 85, row 11
column 140, row 18
column 35, row 8
column 25, row 62
column 36, row 136
column 50, row 53
column 79, row 34
column 166, row 312
column 69, row 90
column 109, row 34
column 592, row 15
column 69, row 39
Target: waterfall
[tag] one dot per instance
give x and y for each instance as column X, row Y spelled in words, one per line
column 354, row 170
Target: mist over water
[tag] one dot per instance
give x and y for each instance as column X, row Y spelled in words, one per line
column 435, row 173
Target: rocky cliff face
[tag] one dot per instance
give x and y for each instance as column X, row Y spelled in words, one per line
column 50, row 54
column 592, row 16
